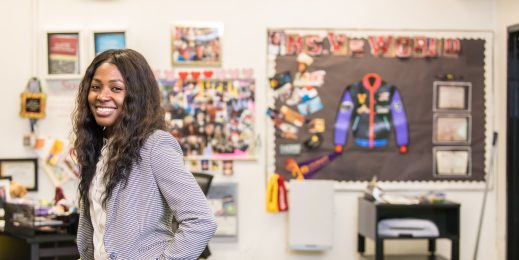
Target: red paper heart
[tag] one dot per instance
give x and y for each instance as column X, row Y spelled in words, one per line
column 208, row 74
column 195, row 74
column 182, row 75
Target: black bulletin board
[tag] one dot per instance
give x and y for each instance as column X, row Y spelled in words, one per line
column 414, row 77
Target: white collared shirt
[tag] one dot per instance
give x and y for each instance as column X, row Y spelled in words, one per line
column 97, row 212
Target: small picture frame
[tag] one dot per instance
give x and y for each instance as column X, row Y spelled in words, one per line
column 109, row 40
column 228, row 167
column 196, row 44
column 452, row 96
column 23, row 171
column 63, row 53
column 452, row 161
column 5, row 195
column 276, row 43
column 452, row 129
column 32, row 105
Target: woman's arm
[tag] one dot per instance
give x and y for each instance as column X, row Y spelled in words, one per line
column 185, row 198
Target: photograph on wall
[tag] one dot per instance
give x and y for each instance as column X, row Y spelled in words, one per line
column 451, row 129
column 349, row 105
column 196, row 44
column 453, row 161
column 451, row 96
column 109, row 40
column 63, row 53
column 211, row 118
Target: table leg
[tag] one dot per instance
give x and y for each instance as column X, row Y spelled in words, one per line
column 432, row 246
column 35, row 251
column 455, row 250
column 360, row 243
column 379, row 249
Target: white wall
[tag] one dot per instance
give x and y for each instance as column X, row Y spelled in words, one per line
column 261, row 235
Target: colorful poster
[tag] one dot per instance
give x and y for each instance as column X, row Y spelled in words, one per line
column 63, row 53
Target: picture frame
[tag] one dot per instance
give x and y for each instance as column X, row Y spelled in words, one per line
column 5, row 195
column 105, row 40
column 452, row 161
column 23, row 171
column 196, row 44
column 223, row 201
column 452, row 129
column 32, row 105
column 452, row 96
column 63, row 53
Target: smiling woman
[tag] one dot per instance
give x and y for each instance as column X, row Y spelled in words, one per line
column 131, row 170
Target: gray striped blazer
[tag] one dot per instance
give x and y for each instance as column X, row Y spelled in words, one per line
column 139, row 216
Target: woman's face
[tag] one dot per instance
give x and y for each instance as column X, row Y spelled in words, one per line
column 106, row 95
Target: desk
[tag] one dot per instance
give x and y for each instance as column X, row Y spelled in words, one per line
column 33, row 248
column 446, row 216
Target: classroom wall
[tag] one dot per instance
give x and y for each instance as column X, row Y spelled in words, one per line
column 261, row 235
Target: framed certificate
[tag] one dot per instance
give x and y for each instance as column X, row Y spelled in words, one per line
column 452, row 161
column 451, row 96
column 451, row 129
column 23, row 171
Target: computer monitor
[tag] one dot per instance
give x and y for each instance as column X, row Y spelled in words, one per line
column 204, row 180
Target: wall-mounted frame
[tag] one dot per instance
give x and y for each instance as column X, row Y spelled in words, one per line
column 109, row 40
column 452, row 161
column 449, row 96
column 63, row 53
column 452, row 129
column 23, row 171
column 196, row 44
column 32, row 105
column 5, row 194
column 223, row 200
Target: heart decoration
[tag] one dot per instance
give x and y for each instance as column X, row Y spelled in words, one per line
column 208, row 74
column 247, row 73
column 233, row 73
column 182, row 75
column 220, row 74
column 195, row 75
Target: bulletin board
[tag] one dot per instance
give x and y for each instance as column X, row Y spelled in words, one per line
column 349, row 105
column 211, row 117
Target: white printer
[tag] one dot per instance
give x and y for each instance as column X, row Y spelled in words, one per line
column 407, row 227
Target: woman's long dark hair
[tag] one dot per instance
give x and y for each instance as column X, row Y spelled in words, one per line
column 141, row 115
